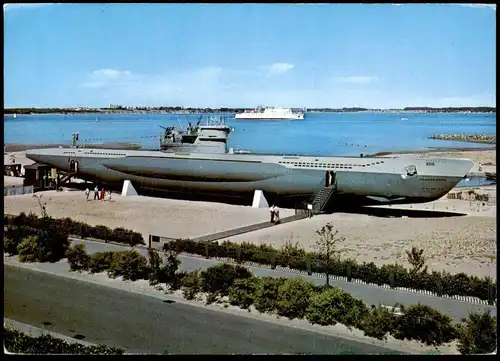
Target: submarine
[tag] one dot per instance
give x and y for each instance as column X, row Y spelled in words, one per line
column 207, row 166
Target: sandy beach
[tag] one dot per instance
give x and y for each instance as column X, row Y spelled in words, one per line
column 456, row 244
column 158, row 216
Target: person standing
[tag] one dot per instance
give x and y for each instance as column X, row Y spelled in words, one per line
column 96, row 193
column 102, row 193
column 87, row 193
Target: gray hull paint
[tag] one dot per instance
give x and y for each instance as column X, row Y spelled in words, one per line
column 246, row 174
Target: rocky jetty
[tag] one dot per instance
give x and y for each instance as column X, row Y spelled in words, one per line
column 473, row 138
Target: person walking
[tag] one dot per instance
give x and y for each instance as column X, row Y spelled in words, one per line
column 276, row 215
column 87, row 193
column 271, row 211
column 96, row 193
column 102, row 193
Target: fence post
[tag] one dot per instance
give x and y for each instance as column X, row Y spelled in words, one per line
column 206, row 250
column 149, row 241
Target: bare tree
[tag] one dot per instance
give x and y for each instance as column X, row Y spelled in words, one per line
column 328, row 245
column 43, row 209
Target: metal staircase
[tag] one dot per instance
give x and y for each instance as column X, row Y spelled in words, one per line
column 322, row 198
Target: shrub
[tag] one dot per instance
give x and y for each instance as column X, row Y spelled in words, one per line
column 378, row 323
column 121, row 235
column 53, row 240
column 78, row 259
column 15, row 235
column 20, row 220
column 29, row 250
column 333, row 305
column 242, row 292
column 394, row 275
column 131, row 265
column 266, row 294
column 81, row 229
column 101, row 232
column 218, row 279
column 10, row 245
column 293, row 298
column 165, row 273
column 155, row 263
column 20, row 343
column 422, row 323
column 479, row 335
column 178, row 280
column 101, row 261
column 191, row 285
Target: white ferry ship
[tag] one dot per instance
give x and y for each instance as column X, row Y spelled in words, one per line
column 270, row 113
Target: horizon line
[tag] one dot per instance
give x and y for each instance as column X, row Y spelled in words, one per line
column 239, row 107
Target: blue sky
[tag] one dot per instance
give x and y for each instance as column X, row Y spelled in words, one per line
column 339, row 55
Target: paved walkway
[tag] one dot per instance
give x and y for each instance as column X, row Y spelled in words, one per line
column 246, row 229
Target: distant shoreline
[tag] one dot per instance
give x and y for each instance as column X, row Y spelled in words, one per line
column 181, row 110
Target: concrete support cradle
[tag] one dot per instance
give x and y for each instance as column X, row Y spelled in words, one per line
column 128, row 189
column 259, row 201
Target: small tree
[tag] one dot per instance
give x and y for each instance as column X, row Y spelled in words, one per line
column 328, row 245
column 417, row 260
column 43, row 209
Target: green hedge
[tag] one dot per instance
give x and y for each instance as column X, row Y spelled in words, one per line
column 20, row 343
column 441, row 283
column 47, row 242
column 297, row 298
column 79, row 229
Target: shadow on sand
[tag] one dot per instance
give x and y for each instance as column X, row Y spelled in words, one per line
column 398, row 213
column 239, row 200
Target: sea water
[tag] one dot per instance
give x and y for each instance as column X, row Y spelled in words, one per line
column 341, row 134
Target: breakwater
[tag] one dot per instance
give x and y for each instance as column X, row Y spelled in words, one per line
column 472, row 138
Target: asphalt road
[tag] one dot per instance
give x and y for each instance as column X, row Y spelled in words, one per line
column 144, row 324
column 372, row 295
